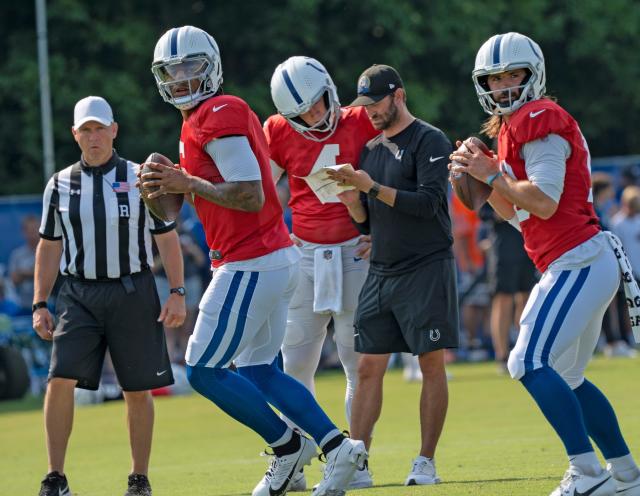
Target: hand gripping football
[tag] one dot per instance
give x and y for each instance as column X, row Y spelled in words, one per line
column 472, row 193
column 165, row 207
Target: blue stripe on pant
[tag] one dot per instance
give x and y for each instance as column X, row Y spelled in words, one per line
column 242, row 320
column 541, row 318
column 562, row 313
column 223, row 320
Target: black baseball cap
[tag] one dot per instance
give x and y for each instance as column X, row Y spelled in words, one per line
column 375, row 83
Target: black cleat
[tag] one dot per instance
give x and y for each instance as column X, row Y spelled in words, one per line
column 54, row 484
column 138, row 486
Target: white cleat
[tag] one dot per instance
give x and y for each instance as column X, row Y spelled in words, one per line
column 631, row 488
column 576, row 483
column 361, row 479
column 298, row 482
column 342, row 464
column 423, row 472
column 283, row 469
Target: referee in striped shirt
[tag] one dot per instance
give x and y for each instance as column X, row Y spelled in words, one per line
column 96, row 230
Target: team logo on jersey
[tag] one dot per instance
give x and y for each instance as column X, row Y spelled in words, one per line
column 327, row 254
column 363, row 85
column 434, row 334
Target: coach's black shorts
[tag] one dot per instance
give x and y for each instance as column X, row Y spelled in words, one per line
column 414, row 312
column 92, row 316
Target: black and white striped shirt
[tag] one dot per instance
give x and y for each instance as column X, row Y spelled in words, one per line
column 101, row 218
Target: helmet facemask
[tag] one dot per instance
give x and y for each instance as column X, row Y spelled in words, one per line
column 173, row 75
column 325, row 127
column 485, row 94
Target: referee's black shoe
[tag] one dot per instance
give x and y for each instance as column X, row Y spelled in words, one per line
column 138, row 485
column 54, row 484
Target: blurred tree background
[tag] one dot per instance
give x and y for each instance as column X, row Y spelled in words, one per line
column 105, row 48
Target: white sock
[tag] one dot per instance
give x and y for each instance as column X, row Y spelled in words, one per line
column 623, row 468
column 587, row 462
column 328, row 437
column 286, row 437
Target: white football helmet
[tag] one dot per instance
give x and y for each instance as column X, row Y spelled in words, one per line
column 183, row 55
column 506, row 52
column 296, row 85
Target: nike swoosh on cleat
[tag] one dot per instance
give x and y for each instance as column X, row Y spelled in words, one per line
column 283, row 489
column 536, row 114
column 590, row 491
column 215, row 109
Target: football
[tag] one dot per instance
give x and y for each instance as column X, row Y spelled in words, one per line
column 166, row 207
column 471, row 192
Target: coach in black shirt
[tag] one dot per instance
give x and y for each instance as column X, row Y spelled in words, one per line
column 96, row 230
column 409, row 300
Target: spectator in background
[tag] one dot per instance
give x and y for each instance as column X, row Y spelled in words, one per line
column 511, row 277
column 194, row 259
column 472, row 276
column 604, row 198
column 626, row 225
column 22, row 261
column 7, row 307
column 614, row 321
column 630, row 176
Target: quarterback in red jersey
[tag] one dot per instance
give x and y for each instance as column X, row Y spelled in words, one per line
column 542, row 183
column 311, row 131
column 224, row 161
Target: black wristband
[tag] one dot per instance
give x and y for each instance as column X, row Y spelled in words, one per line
column 374, row 191
column 179, row 291
column 37, row 305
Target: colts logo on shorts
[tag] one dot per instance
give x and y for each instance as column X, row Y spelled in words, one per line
column 327, row 254
column 434, row 334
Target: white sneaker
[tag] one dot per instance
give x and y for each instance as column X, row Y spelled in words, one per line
column 298, row 482
column 576, row 483
column 342, row 463
column 626, row 488
column 423, row 472
column 620, row 349
column 361, row 479
column 283, row 469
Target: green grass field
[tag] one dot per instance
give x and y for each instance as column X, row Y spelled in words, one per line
column 495, row 441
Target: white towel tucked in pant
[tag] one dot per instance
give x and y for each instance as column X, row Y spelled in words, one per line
column 631, row 289
column 327, row 276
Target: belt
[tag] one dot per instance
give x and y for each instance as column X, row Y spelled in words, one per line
column 126, row 280
column 76, row 277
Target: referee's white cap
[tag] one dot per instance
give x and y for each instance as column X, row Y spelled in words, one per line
column 92, row 108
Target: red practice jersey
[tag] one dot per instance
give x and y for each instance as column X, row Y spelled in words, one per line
column 575, row 221
column 313, row 221
column 236, row 235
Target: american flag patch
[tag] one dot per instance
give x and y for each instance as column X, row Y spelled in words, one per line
column 120, row 187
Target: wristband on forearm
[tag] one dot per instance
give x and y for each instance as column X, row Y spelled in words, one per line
column 37, row 305
column 493, row 177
